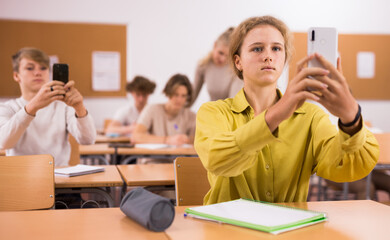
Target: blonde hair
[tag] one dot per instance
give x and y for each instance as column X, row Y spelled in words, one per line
column 242, row 30
column 32, row 54
column 224, row 39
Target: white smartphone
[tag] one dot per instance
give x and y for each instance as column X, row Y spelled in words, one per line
column 323, row 40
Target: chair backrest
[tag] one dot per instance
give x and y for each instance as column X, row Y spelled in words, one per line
column 75, row 151
column 191, row 181
column 384, row 147
column 106, row 123
column 26, row 182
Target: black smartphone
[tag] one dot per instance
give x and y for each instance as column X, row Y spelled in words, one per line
column 61, row 72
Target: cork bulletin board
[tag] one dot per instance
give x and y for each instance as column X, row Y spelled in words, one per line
column 73, row 43
column 376, row 88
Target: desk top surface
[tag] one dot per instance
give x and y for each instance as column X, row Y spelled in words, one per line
column 190, row 151
column 347, row 220
column 103, row 148
column 148, row 174
column 96, row 149
column 96, row 224
column 109, row 178
column 363, row 219
column 104, row 139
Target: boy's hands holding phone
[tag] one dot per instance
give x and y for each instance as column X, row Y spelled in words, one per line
column 59, row 89
column 72, row 96
column 48, row 93
column 74, row 99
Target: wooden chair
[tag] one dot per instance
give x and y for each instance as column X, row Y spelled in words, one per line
column 191, row 181
column 106, row 123
column 76, row 158
column 26, row 182
column 384, row 147
column 75, row 152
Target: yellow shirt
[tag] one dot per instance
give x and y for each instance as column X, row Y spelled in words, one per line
column 245, row 160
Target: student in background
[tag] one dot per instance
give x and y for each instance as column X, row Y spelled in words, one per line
column 263, row 145
column 171, row 122
column 216, row 73
column 124, row 120
column 40, row 120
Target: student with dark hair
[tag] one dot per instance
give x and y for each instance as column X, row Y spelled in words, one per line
column 40, row 121
column 171, row 122
column 125, row 118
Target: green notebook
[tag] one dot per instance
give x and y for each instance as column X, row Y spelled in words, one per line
column 263, row 216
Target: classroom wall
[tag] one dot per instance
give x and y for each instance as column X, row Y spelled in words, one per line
column 170, row 36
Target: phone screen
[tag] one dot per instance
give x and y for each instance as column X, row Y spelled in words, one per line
column 61, row 72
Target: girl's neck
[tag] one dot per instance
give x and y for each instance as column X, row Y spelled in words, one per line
column 260, row 97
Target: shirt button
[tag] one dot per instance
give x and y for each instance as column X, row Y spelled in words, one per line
column 267, row 166
column 268, row 194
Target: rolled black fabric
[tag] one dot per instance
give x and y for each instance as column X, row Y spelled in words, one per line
column 152, row 211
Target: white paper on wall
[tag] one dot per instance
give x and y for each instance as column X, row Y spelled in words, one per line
column 365, row 65
column 106, row 71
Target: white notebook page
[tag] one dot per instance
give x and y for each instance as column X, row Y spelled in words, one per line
column 255, row 212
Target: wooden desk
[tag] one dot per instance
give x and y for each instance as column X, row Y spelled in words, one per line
column 96, row 149
column 161, row 151
column 91, row 183
column 148, row 174
column 169, row 153
column 109, row 178
column 94, row 224
column 348, row 220
column 104, row 139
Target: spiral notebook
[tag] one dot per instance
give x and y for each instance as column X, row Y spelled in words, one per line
column 263, row 216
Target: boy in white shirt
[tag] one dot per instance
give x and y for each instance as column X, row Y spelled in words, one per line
column 40, row 120
column 125, row 118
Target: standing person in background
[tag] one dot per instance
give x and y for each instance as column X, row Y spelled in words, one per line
column 125, row 118
column 215, row 71
column 172, row 122
column 40, row 120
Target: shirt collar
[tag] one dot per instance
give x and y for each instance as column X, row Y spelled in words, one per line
column 240, row 103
